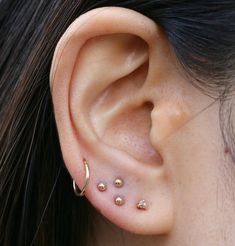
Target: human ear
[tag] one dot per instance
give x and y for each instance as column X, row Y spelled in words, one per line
column 110, row 82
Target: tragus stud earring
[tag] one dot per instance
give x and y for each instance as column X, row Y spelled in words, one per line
column 118, row 183
column 142, row 205
column 102, row 186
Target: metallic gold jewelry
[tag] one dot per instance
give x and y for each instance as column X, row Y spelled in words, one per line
column 118, row 183
column 119, row 201
column 102, row 186
column 142, row 205
column 83, row 190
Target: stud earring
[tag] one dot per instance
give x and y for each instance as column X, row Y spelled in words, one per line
column 83, row 190
column 118, row 183
column 119, row 201
column 142, row 205
column 102, row 186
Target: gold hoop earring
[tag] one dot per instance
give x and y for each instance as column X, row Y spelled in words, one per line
column 83, row 190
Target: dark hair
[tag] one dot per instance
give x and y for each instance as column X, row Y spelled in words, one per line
column 37, row 205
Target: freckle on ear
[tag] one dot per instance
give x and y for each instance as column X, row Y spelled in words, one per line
column 227, row 150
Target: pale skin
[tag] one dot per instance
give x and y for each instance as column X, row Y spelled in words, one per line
column 122, row 101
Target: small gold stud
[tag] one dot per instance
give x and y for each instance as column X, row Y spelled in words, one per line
column 102, row 186
column 142, row 205
column 118, row 183
column 119, row 201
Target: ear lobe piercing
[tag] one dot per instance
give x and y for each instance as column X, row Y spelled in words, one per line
column 118, row 183
column 102, row 186
column 142, row 205
column 75, row 187
column 119, row 201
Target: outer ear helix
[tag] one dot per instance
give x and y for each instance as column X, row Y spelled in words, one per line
column 83, row 190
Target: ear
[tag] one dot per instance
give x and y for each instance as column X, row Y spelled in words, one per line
column 110, row 79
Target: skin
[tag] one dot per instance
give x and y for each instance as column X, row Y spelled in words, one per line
column 122, row 101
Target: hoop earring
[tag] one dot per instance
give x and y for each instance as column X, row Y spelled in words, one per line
column 75, row 187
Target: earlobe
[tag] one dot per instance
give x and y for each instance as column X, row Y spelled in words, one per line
column 100, row 82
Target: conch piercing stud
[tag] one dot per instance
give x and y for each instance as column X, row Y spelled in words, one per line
column 118, row 183
column 102, row 186
column 142, row 205
column 83, row 190
column 119, row 201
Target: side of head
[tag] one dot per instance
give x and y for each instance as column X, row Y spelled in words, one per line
column 139, row 91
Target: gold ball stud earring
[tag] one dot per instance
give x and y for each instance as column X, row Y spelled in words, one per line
column 119, row 201
column 118, row 183
column 102, row 186
column 142, row 205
